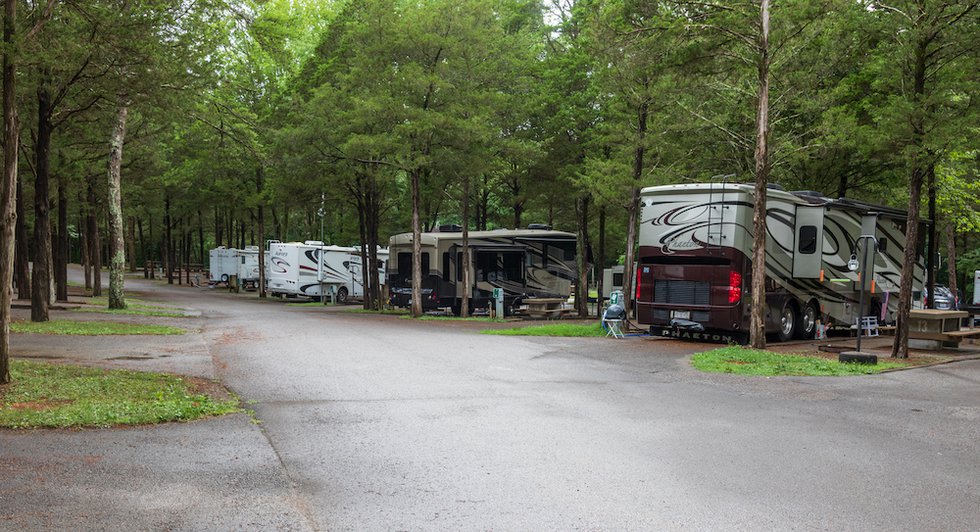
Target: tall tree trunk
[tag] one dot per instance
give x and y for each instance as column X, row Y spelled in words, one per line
column 94, row 240
column 932, row 248
column 131, row 242
column 260, row 178
column 22, row 265
column 633, row 209
column 8, row 199
column 61, row 248
column 117, row 244
column 41, row 273
column 416, row 247
column 168, row 240
column 83, row 245
column 757, row 324
column 143, row 243
column 923, row 166
column 464, row 307
column 582, row 240
column 200, row 240
column 373, row 221
column 951, row 258
column 600, row 264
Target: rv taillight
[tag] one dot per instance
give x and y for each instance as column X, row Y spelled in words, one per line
column 734, row 287
column 638, row 282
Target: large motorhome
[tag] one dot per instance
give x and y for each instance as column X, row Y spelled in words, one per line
column 243, row 263
column 312, row 269
column 523, row 262
column 694, row 268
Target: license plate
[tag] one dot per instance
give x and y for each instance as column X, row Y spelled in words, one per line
column 681, row 314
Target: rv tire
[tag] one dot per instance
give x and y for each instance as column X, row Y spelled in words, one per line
column 342, row 295
column 789, row 323
column 224, row 278
column 808, row 321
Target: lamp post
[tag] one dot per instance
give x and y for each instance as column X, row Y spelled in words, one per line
column 865, row 273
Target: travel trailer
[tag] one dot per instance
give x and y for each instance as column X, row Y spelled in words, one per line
column 312, row 269
column 694, row 267
column 227, row 262
column 534, row 262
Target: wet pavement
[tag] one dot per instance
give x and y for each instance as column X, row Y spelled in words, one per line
column 365, row 422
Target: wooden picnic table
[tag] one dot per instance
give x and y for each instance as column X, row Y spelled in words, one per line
column 940, row 326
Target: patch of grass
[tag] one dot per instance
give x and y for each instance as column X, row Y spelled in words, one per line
column 90, row 328
column 174, row 313
column 552, row 329
column 309, row 304
column 745, row 361
column 132, row 303
column 54, row 395
column 392, row 311
column 453, row 318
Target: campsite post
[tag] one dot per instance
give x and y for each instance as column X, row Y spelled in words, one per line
column 866, row 274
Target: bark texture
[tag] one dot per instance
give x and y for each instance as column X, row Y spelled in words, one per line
column 117, row 243
column 8, row 192
column 634, row 206
column 757, row 325
column 41, row 271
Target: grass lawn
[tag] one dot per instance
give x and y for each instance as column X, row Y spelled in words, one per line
column 131, row 303
column 745, row 361
column 393, row 311
column 454, row 318
column 54, row 395
column 552, row 329
column 135, row 311
column 90, row 328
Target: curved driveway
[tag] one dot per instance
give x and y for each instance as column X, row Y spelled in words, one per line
column 382, row 423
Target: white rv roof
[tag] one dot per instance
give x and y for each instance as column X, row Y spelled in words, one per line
column 718, row 188
column 435, row 236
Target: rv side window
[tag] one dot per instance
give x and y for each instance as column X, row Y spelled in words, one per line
column 425, row 264
column 570, row 251
column 544, row 256
column 882, row 245
column 405, row 264
column 445, row 267
column 808, row 240
column 459, row 265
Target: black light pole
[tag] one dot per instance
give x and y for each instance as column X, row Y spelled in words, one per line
column 865, row 275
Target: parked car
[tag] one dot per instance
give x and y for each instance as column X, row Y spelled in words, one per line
column 944, row 299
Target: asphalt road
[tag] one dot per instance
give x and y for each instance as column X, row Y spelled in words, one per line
column 381, row 423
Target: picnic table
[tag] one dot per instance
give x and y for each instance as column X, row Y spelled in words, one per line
column 939, row 325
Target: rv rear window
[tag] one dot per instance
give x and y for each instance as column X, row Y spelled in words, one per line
column 459, row 265
column 425, row 263
column 882, row 245
column 445, row 267
column 808, row 240
column 617, row 279
column 683, row 260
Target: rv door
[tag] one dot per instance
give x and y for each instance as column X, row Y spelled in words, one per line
column 808, row 248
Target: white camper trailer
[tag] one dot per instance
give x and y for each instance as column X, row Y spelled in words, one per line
column 223, row 264
column 248, row 267
column 312, row 269
column 228, row 262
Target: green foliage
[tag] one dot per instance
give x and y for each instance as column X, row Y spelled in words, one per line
column 50, row 395
column 745, row 361
column 552, row 329
column 91, row 328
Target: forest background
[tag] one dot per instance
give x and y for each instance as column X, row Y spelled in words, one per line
column 238, row 122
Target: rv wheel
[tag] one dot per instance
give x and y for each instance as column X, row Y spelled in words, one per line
column 342, row 295
column 808, row 322
column 224, row 278
column 788, row 323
